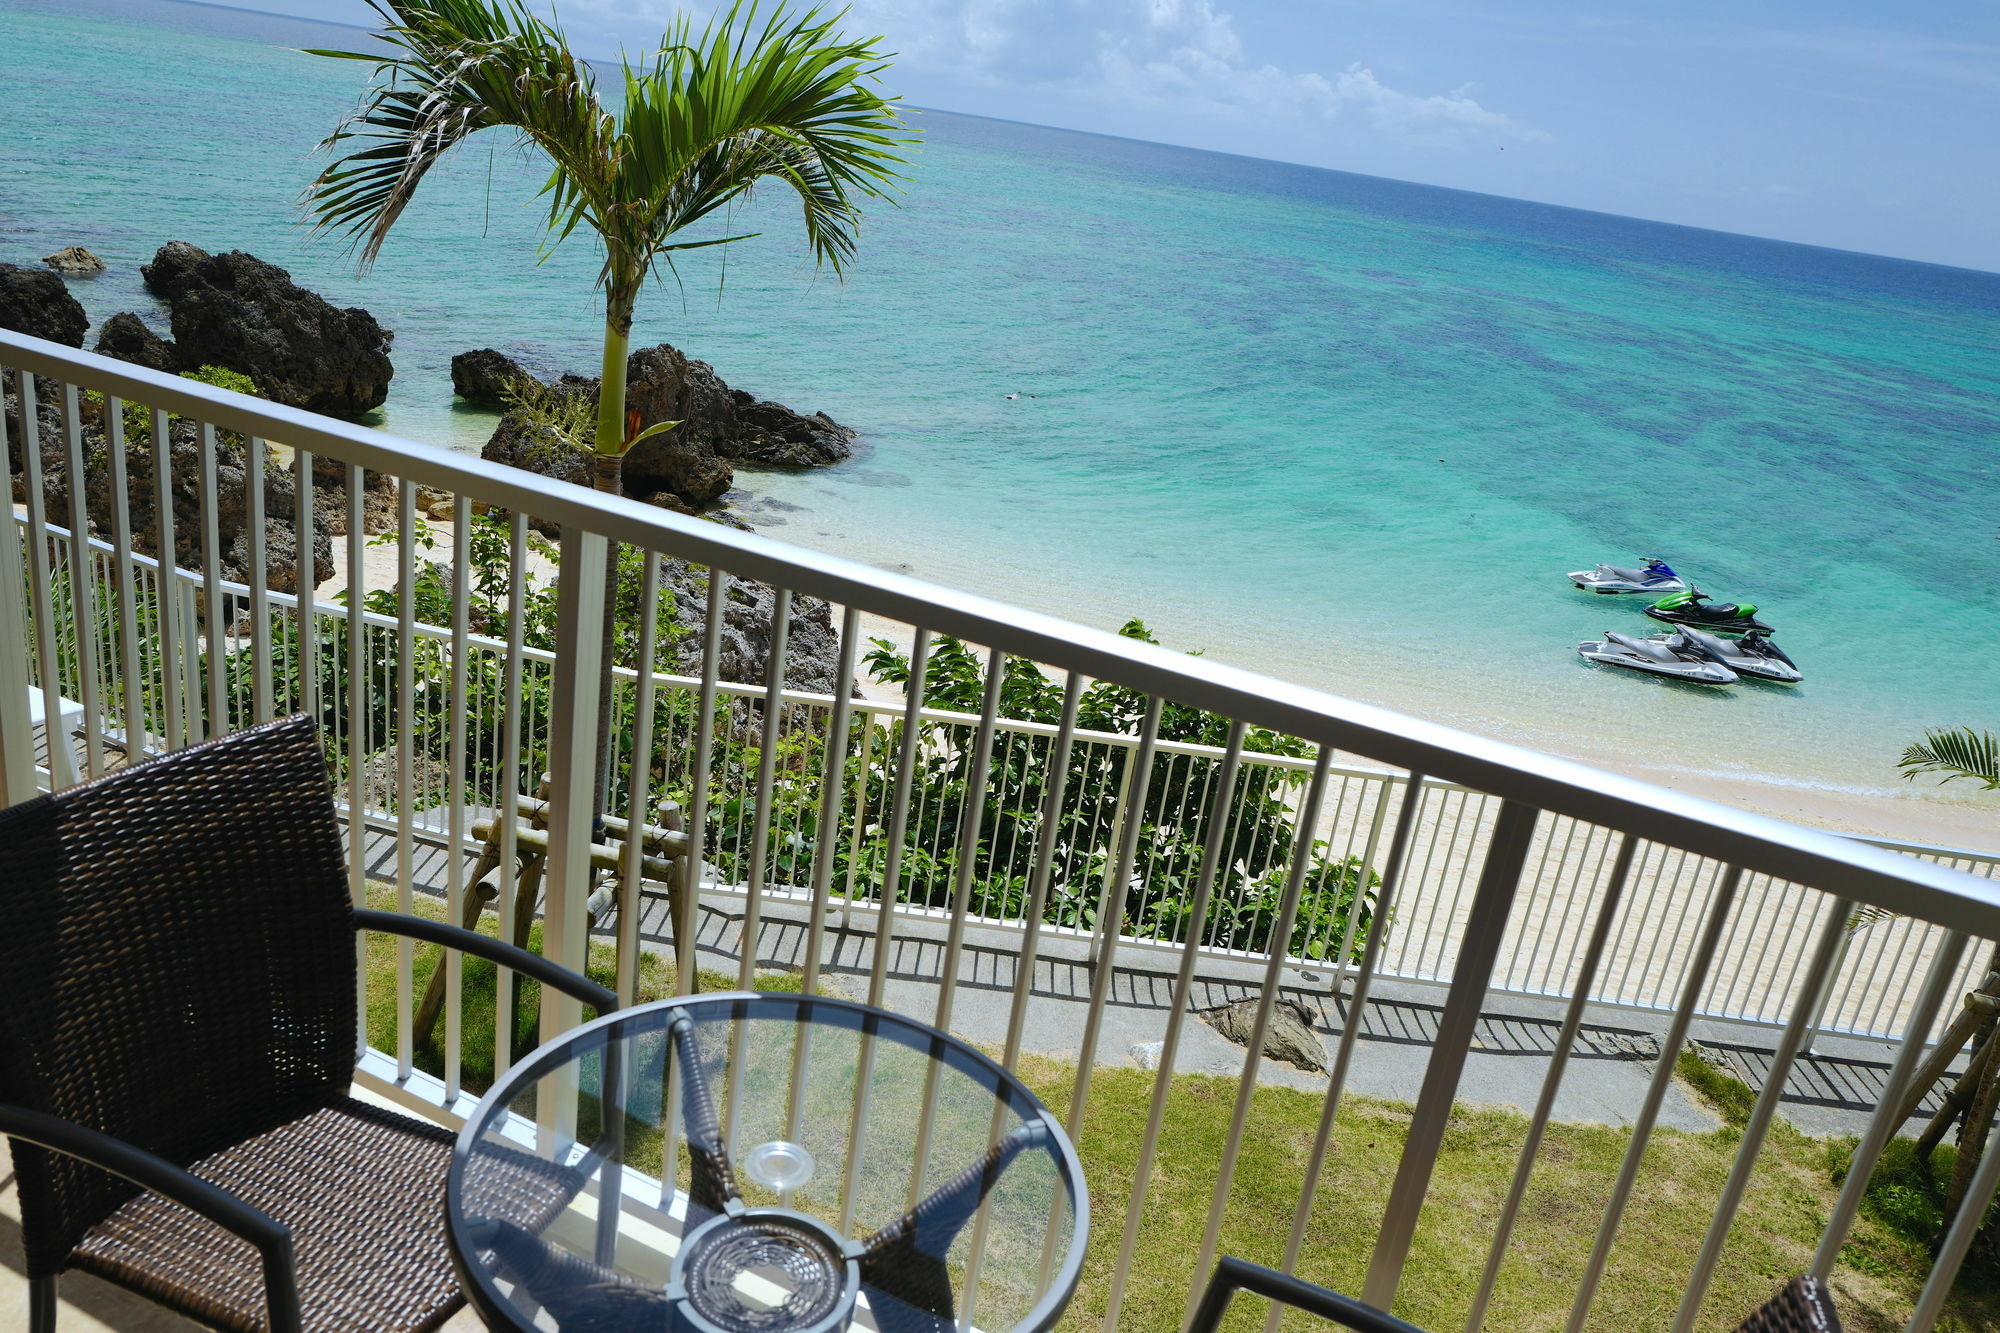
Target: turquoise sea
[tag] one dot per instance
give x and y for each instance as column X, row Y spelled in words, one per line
column 1344, row 429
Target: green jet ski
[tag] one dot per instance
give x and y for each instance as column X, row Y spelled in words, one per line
column 1693, row 608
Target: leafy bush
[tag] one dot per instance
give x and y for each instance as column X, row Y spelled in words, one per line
column 139, row 418
column 1254, row 836
column 1177, row 819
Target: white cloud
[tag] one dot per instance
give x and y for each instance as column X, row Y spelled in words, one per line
column 1183, row 54
column 1178, row 56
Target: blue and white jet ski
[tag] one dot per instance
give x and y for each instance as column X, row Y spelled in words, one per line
column 1657, row 576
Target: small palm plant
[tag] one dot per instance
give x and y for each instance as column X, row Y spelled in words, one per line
column 707, row 118
column 1959, row 753
column 1974, row 756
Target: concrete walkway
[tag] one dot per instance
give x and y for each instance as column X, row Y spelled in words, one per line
column 1831, row 1091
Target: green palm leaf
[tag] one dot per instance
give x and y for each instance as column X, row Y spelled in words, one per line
column 1960, row 753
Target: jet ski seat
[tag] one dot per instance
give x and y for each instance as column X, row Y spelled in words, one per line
column 1658, row 652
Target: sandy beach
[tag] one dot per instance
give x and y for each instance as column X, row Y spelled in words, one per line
column 1958, row 818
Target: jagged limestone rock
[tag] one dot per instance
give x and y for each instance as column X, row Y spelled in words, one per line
column 34, row 301
column 75, row 261
column 237, row 311
column 1288, row 1035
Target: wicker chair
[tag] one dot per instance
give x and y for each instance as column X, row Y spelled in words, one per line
column 177, row 1036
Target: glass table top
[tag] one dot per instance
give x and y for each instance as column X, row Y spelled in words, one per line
column 742, row 1163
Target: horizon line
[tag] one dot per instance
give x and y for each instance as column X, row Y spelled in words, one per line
column 1252, row 157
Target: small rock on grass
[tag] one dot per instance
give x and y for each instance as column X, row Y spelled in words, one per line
column 1288, row 1035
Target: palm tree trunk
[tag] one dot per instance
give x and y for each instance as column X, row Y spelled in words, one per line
column 608, row 457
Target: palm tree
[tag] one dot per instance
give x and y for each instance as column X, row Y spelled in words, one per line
column 1959, row 753
column 707, row 118
column 1975, row 756
column 712, row 115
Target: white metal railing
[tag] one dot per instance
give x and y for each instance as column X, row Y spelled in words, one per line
column 1874, row 988
column 1497, row 866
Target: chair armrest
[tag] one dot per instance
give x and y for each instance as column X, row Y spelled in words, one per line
column 1232, row 1275
column 497, row 951
column 152, row 1172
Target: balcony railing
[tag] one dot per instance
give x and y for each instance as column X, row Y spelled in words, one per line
column 1389, row 848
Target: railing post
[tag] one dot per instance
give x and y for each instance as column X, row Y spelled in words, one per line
column 1479, row 946
column 577, row 682
column 17, row 739
column 1120, row 815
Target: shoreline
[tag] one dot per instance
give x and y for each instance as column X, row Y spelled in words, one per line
column 1956, row 820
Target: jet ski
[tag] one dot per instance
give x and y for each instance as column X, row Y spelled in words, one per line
column 1656, row 576
column 1693, row 608
column 1752, row 655
column 1662, row 655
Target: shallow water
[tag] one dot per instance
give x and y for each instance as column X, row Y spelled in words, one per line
column 1344, row 429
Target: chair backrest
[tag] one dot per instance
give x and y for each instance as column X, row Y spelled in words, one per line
column 1802, row 1305
column 176, row 962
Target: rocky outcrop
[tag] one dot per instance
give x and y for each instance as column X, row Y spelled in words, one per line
column 812, row 651
column 228, row 505
column 75, row 261
column 487, row 378
column 35, row 302
column 688, row 465
column 772, row 435
column 126, row 337
column 167, row 276
column 235, row 310
column 533, row 446
column 717, row 423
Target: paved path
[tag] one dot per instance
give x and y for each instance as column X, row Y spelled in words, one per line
column 1832, row 1091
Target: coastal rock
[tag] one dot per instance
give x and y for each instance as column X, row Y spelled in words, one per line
column 664, row 385
column 237, row 311
column 486, row 378
column 379, row 507
column 522, row 441
column 812, row 653
column 48, row 432
column 167, row 276
column 75, row 261
column 772, row 435
column 1288, row 1035
column 690, row 463
column 229, row 503
column 126, row 337
column 35, row 302
column 184, row 457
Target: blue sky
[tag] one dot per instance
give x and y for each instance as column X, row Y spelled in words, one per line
column 1867, row 126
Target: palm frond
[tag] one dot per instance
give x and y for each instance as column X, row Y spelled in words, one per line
column 788, row 100
column 707, row 118
column 458, row 67
column 1960, row 753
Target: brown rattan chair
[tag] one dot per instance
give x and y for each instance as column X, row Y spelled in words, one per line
column 1802, row 1305
column 177, row 1036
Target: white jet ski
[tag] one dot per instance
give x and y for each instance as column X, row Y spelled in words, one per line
column 1752, row 655
column 1657, row 576
column 1667, row 655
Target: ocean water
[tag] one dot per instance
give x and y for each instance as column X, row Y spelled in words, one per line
column 1344, row 429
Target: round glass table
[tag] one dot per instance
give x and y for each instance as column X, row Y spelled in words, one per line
column 764, row 1163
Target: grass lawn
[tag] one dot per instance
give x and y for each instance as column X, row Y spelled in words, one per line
column 1790, row 1196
